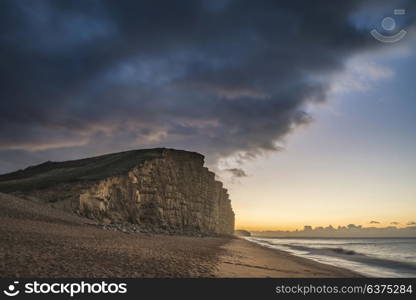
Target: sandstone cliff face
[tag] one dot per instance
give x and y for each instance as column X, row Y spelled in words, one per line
column 172, row 191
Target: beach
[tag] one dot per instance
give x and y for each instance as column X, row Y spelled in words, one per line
column 245, row 259
column 39, row 241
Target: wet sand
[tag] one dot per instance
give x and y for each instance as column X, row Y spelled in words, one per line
column 247, row 259
column 38, row 241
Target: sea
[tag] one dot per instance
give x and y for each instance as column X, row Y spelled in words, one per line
column 371, row 257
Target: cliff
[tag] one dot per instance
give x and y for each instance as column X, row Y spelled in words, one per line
column 161, row 189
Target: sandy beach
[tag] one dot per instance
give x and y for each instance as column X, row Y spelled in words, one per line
column 246, row 259
column 38, row 241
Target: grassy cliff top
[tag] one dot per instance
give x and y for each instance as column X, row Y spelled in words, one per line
column 94, row 168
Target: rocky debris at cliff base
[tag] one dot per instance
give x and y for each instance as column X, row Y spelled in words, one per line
column 242, row 232
column 38, row 241
column 130, row 228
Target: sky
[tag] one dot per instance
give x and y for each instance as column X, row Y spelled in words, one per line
column 305, row 116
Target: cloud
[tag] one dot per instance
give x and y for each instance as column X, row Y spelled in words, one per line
column 411, row 223
column 360, row 75
column 394, row 223
column 236, row 172
column 374, row 222
column 353, row 226
column 218, row 77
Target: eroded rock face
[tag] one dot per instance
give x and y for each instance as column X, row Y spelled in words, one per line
column 173, row 192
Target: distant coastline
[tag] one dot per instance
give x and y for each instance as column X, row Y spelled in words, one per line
column 350, row 231
column 254, row 234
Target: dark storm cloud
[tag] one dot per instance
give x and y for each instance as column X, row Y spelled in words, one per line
column 220, row 77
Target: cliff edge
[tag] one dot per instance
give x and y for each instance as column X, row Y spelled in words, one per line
column 162, row 189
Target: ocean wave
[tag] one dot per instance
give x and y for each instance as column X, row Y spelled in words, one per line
column 337, row 250
column 340, row 253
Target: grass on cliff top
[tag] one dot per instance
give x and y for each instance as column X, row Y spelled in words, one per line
column 51, row 173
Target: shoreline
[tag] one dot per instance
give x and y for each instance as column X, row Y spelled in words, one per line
column 245, row 259
column 42, row 242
